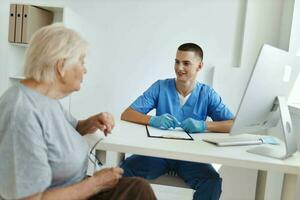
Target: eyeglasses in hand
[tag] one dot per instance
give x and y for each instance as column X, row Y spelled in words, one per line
column 93, row 157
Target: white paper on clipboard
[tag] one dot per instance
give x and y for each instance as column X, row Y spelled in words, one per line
column 177, row 133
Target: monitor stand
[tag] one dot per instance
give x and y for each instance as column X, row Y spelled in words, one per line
column 289, row 138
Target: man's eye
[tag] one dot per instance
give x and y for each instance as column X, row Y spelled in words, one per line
column 186, row 64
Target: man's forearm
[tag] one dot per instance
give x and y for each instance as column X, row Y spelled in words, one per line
column 219, row 126
column 133, row 116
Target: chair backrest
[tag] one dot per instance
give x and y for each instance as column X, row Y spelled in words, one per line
column 206, row 75
column 170, row 179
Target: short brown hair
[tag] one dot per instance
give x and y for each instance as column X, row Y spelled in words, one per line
column 191, row 47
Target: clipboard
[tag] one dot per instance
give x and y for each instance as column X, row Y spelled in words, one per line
column 168, row 134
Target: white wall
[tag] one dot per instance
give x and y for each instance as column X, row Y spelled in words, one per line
column 294, row 47
column 267, row 21
column 262, row 25
column 3, row 53
column 295, row 39
column 133, row 43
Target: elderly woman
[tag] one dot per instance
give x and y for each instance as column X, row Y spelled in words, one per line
column 42, row 152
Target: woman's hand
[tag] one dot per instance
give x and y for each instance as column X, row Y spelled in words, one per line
column 103, row 121
column 101, row 180
column 107, row 178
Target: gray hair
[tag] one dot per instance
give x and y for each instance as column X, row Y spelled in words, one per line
column 47, row 46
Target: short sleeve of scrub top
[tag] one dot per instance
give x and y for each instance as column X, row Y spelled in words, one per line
column 217, row 110
column 148, row 100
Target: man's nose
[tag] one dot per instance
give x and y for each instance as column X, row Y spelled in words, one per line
column 180, row 66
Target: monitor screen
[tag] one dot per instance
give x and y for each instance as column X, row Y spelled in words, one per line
column 274, row 74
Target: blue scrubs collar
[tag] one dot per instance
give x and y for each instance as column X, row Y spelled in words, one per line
column 192, row 98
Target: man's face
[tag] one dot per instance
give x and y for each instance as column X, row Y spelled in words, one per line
column 187, row 65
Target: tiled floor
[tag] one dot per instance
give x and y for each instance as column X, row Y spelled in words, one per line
column 172, row 193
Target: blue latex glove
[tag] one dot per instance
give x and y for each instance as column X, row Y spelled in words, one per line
column 164, row 121
column 191, row 125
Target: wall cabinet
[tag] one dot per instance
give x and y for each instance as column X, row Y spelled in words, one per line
column 16, row 50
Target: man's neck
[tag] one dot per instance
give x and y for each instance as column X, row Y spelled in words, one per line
column 185, row 88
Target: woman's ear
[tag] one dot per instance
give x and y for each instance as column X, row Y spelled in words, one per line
column 59, row 68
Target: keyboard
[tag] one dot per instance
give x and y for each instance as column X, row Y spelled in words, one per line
column 234, row 141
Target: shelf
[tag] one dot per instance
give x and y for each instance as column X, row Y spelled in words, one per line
column 56, row 10
column 37, row 18
column 16, row 77
column 19, row 44
column 17, row 50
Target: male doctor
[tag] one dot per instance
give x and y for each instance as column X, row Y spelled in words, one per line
column 186, row 103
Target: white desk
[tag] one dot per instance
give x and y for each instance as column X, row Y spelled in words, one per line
column 132, row 138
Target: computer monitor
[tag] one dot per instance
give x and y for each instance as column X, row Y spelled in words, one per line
column 264, row 101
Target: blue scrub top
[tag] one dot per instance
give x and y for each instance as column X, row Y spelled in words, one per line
column 163, row 97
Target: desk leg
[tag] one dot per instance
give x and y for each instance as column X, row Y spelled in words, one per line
column 269, row 185
column 298, row 188
column 291, row 187
column 114, row 159
column 110, row 158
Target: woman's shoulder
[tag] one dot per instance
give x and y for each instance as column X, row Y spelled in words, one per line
column 15, row 101
column 11, row 95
